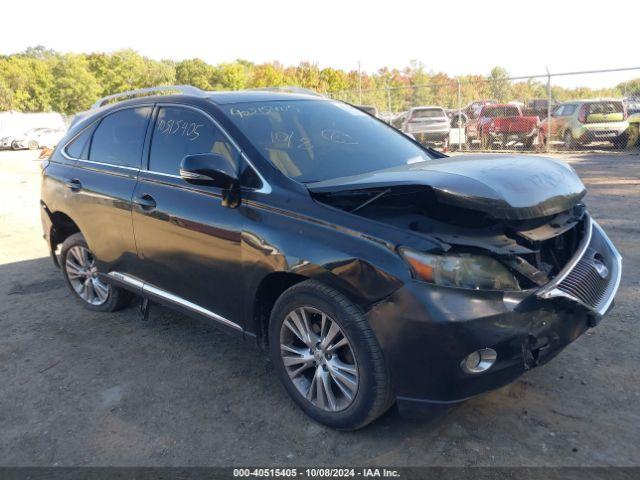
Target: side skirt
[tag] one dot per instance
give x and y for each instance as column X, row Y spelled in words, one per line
column 148, row 290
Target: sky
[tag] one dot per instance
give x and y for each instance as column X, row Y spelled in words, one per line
column 454, row 37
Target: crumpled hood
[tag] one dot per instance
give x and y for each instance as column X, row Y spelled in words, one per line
column 510, row 187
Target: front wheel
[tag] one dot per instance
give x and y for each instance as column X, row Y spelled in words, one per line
column 327, row 357
column 81, row 273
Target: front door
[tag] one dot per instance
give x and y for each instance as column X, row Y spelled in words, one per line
column 188, row 243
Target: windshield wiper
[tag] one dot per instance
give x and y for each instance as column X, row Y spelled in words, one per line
column 369, row 200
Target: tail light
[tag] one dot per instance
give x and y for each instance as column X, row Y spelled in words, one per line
column 625, row 113
column 582, row 113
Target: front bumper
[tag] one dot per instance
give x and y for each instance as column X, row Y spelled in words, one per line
column 425, row 330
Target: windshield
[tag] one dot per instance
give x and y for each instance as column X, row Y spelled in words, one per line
column 315, row 140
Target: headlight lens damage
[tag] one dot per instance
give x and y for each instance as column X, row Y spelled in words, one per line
column 477, row 272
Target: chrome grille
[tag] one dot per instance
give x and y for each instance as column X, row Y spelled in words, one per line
column 592, row 276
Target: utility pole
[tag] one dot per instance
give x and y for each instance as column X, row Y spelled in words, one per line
column 360, row 82
column 459, row 117
column 548, row 136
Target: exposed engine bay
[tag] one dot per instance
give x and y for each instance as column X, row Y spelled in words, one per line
column 535, row 249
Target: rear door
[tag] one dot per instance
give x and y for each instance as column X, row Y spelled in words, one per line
column 188, row 242
column 101, row 182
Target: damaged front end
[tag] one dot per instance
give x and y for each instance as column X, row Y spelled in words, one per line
column 521, row 271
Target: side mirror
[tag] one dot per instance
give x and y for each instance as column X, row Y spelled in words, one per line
column 214, row 170
column 208, row 169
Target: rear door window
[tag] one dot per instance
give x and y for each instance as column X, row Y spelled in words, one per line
column 605, row 108
column 183, row 131
column 119, row 138
column 79, row 147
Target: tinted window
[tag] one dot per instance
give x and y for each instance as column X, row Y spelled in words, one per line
column 79, row 148
column 558, row 111
column 428, row 113
column 496, row 112
column 312, row 140
column 119, row 138
column 605, row 107
column 568, row 110
column 182, row 131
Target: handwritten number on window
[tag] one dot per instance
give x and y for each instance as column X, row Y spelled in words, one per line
column 189, row 130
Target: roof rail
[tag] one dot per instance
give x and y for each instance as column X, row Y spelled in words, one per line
column 289, row 89
column 184, row 89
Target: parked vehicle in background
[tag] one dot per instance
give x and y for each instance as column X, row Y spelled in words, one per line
column 581, row 122
column 370, row 109
column 634, row 130
column 473, row 109
column 457, row 134
column 538, row 107
column 13, row 125
column 387, row 117
column 38, row 138
column 426, row 124
column 504, row 123
column 632, row 104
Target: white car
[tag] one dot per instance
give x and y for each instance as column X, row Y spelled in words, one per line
column 425, row 124
column 38, row 138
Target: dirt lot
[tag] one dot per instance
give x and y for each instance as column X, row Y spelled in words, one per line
column 82, row 388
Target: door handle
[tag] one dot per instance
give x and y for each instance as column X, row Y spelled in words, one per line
column 73, row 184
column 146, row 201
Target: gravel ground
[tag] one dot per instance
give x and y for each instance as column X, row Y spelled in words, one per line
column 84, row 388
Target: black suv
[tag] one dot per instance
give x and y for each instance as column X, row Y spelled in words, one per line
column 374, row 270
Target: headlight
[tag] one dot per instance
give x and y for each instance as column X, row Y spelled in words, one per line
column 476, row 272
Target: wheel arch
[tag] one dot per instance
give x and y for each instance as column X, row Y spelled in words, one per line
column 62, row 227
column 357, row 280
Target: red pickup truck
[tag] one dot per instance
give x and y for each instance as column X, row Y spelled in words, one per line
column 503, row 123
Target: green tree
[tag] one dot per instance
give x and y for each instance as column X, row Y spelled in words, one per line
column 75, row 88
column 194, row 72
column 499, row 84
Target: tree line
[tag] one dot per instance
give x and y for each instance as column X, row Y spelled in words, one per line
column 40, row 79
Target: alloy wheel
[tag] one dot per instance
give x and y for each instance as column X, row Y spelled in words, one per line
column 80, row 266
column 319, row 359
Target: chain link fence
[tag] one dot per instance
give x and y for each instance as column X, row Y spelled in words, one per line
column 536, row 113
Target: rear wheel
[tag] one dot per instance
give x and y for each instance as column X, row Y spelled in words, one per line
column 528, row 142
column 620, row 142
column 15, row 145
column 569, row 142
column 327, row 357
column 485, row 142
column 32, row 145
column 81, row 273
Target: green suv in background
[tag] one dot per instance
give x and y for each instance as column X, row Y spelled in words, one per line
column 585, row 121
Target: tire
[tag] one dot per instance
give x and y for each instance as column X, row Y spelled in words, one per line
column 15, row 145
column 468, row 140
column 620, row 142
column 115, row 298
column 32, row 145
column 371, row 396
column 485, row 142
column 528, row 142
column 569, row 142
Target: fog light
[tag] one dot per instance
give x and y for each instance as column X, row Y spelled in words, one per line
column 479, row 361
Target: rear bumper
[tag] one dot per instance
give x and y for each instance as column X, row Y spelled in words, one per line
column 426, row 331
column 600, row 132
column 438, row 136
